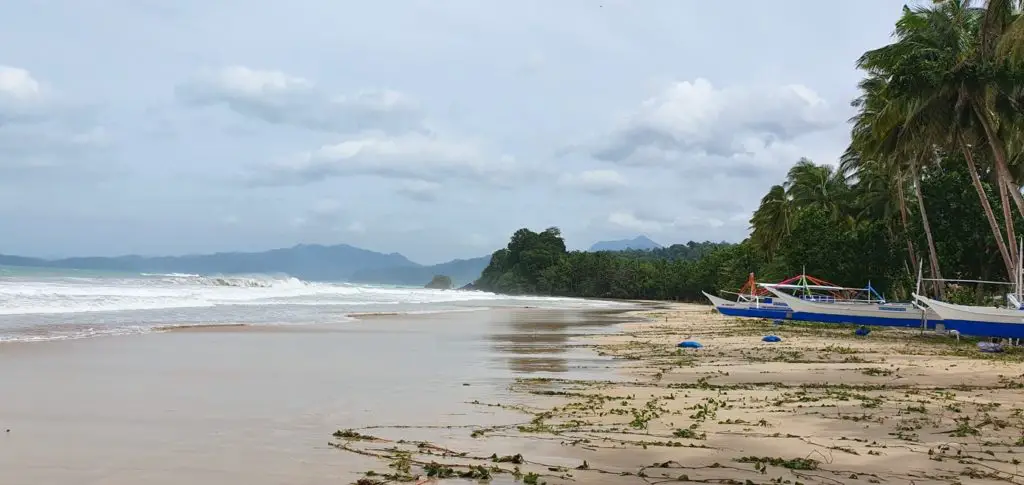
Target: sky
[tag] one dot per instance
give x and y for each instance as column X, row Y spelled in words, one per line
column 433, row 129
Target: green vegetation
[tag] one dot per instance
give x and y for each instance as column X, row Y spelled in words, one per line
column 932, row 175
column 440, row 282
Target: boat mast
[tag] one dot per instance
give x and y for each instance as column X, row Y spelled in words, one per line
column 751, row 281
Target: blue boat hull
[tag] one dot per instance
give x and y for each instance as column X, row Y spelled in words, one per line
column 977, row 328
column 772, row 313
column 862, row 320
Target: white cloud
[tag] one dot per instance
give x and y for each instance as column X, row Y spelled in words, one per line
column 696, row 127
column 326, row 208
column 478, row 240
column 411, row 156
column 23, row 99
column 19, row 83
column 599, row 182
column 419, row 190
column 356, row 227
column 328, row 216
column 279, row 98
column 39, row 129
column 627, row 221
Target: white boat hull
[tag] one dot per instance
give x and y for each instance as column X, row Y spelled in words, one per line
column 749, row 309
column 976, row 320
column 858, row 313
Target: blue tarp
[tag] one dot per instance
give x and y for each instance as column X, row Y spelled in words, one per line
column 690, row 344
column 771, row 338
column 990, row 347
column 862, row 331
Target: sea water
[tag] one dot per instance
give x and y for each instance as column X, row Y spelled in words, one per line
column 45, row 304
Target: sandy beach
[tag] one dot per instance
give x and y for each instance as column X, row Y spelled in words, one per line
column 821, row 406
column 511, row 396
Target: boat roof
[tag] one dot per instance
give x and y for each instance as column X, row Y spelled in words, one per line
column 809, row 287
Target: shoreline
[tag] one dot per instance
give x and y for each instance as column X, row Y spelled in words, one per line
column 89, row 332
column 821, row 406
column 250, row 404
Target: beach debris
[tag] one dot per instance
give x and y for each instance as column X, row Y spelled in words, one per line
column 352, row 435
column 777, row 322
column 990, row 347
column 862, row 331
column 771, row 338
column 690, row 344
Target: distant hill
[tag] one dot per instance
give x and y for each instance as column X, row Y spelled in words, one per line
column 461, row 271
column 690, row 251
column 306, row 261
column 639, row 242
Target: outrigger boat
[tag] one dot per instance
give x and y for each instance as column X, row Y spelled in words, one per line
column 981, row 321
column 872, row 310
column 755, row 301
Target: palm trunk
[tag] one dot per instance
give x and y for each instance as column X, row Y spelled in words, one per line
column 932, row 257
column 1008, row 220
column 987, row 208
column 999, row 153
column 906, row 224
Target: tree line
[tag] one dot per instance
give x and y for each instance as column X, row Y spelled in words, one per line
column 931, row 178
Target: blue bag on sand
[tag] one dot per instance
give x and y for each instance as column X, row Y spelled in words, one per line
column 990, row 347
column 862, row 331
column 690, row 344
column 771, row 338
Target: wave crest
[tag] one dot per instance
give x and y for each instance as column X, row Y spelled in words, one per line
column 234, row 281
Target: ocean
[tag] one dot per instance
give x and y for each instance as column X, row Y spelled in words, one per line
column 158, row 398
column 41, row 304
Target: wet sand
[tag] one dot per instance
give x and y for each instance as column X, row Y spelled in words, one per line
column 528, row 396
column 822, row 406
column 257, row 404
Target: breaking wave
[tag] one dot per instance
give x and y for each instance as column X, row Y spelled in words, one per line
column 73, row 306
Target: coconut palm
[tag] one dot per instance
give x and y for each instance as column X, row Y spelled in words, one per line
column 884, row 143
column 945, row 90
column 822, row 186
column 881, row 196
column 771, row 221
column 807, row 185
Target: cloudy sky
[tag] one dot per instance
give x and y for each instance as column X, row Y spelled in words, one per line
column 434, row 129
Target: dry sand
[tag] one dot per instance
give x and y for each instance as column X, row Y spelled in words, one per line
column 822, row 406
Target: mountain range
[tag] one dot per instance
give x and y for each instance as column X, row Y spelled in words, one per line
column 340, row 262
column 305, row 261
column 639, row 242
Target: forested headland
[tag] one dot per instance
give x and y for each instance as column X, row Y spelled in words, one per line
column 932, row 177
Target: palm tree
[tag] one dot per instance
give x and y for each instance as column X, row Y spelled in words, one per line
column 811, row 185
column 1004, row 32
column 940, row 79
column 880, row 186
column 807, row 185
column 771, row 221
column 880, row 136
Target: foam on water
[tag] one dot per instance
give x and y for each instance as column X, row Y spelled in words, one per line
column 46, row 307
